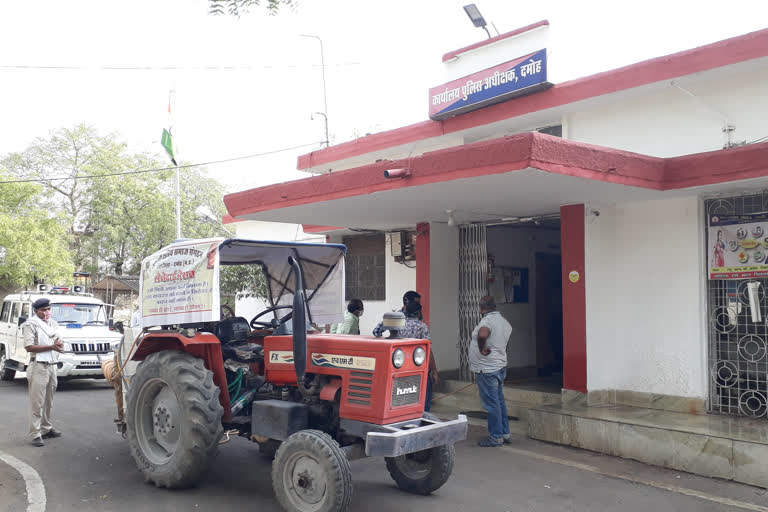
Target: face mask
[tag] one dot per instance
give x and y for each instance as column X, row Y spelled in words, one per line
column 359, row 312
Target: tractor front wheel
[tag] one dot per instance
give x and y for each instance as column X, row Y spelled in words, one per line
column 174, row 419
column 5, row 373
column 425, row 471
column 310, row 473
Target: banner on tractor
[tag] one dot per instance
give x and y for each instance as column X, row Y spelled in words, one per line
column 180, row 284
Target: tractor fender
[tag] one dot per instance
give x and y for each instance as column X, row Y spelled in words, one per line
column 328, row 392
column 204, row 346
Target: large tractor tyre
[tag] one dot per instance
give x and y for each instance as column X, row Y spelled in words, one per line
column 5, row 373
column 310, row 473
column 422, row 472
column 174, row 419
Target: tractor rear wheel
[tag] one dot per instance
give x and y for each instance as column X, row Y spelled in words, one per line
column 5, row 373
column 425, row 471
column 174, row 419
column 310, row 473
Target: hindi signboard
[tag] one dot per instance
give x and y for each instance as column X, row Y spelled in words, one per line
column 180, row 284
column 517, row 77
column 738, row 246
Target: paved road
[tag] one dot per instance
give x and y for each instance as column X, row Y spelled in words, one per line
column 89, row 469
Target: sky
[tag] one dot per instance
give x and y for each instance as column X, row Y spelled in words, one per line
column 380, row 60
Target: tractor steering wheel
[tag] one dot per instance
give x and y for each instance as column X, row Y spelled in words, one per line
column 273, row 323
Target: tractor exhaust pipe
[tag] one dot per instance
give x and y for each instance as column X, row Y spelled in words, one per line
column 299, row 324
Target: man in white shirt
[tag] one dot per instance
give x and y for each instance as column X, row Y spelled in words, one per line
column 43, row 342
column 488, row 361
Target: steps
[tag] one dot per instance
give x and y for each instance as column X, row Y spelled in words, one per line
column 458, row 397
column 716, row 446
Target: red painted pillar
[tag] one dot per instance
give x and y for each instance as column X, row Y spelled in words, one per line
column 574, row 298
column 422, row 267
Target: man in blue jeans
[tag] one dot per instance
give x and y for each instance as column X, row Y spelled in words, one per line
column 488, row 361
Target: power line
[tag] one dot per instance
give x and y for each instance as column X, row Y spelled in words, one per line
column 186, row 166
column 171, row 68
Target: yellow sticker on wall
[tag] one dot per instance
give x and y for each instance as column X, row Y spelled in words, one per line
column 574, row 276
column 749, row 243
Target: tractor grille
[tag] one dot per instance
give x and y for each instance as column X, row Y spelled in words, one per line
column 406, row 390
column 359, row 392
column 90, row 348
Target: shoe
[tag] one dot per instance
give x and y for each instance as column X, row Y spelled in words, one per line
column 38, row 441
column 51, row 434
column 490, row 442
column 506, row 439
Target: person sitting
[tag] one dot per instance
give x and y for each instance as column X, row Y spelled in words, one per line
column 351, row 324
column 409, row 296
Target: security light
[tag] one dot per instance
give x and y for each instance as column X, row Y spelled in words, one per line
column 477, row 19
column 474, row 14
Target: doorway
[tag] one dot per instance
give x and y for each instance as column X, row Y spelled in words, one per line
column 549, row 315
column 520, row 266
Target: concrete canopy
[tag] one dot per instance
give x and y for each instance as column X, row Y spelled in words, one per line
column 524, row 175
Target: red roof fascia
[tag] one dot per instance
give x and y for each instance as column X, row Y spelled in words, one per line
column 481, row 158
column 722, row 53
column 455, row 53
column 741, row 163
column 508, row 154
column 228, row 219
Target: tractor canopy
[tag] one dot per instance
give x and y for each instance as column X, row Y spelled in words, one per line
column 180, row 283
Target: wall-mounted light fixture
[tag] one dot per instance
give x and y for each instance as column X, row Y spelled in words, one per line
column 477, row 19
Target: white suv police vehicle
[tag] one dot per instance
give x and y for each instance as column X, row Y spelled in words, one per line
column 84, row 327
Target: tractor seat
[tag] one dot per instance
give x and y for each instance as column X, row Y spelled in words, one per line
column 232, row 329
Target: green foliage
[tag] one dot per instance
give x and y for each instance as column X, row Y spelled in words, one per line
column 70, row 154
column 238, row 7
column 112, row 222
column 103, row 225
column 239, row 281
column 34, row 240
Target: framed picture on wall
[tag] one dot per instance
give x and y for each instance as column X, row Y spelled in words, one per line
column 515, row 285
column 511, row 285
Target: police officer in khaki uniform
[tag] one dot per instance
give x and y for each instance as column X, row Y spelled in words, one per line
column 42, row 341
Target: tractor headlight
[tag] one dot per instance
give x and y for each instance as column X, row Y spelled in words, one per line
column 398, row 358
column 419, row 356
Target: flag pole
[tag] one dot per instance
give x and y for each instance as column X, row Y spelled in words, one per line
column 178, row 179
column 178, row 204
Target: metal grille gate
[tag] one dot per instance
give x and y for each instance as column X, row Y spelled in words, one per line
column 738, row 353
column 473, row 285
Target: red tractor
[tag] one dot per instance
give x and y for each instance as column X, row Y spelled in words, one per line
column 312, row 401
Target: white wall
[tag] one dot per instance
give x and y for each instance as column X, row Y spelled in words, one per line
column 496, row 53
column 517, row 247
column 645, row 297
column 399, row 279
column 444, row 294
column 275, row 231
column 278, row 231
column 672, row 123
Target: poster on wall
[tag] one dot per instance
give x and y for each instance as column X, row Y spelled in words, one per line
column 737, row 246
column 180, row 284
column 512, row 288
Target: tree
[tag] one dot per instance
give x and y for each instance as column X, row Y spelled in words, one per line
column 136, row 213
column 115, row 213
column 71, row 154
column 238, row 7
column 32, row 238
